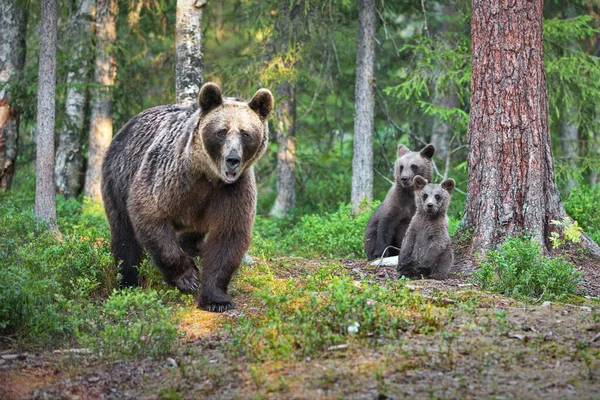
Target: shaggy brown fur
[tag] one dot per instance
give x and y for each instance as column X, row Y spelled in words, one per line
column 178, row 182
column 389, row 222
column 427, row 249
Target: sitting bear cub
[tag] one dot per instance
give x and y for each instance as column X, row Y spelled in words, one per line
column 178, row 182
column 389, row 222
column 427, row 249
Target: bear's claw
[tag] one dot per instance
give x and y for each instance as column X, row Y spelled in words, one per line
column 218, row 307
column 188, row 282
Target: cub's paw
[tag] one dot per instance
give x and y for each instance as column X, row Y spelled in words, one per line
column 188, row 281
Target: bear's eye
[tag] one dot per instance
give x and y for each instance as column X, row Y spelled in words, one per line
column 414, row 168
column 401, row 168
column 221, row 134
column 438, row 197
column 424, row 196
column 245, row 135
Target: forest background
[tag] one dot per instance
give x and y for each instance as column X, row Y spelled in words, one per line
column 306, row 53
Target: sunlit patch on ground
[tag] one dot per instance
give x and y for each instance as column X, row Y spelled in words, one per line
column 198, row 324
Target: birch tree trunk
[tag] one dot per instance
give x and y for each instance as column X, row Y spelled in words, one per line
column 286, row 150
column 189, row 64
column 511, row 187
column 13, row 27
column 68, row 170
column 45, row 203
column 101, row 121
column 364, row 115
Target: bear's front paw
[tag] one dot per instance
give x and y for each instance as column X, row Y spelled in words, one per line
column 215, row 302
column 188, row 281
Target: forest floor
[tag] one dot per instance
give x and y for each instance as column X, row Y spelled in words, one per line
column 490, row 347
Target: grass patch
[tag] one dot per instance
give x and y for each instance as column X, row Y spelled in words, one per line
column 307, row 315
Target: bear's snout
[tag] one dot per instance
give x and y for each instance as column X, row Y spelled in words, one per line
column 233, row 161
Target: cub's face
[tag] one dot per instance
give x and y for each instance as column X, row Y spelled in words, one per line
column 234, row 133
column 433, row 199
column 412, row 163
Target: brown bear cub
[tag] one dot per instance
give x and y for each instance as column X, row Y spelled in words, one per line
column 389, row 222
column 427, row 249
column 178, row 182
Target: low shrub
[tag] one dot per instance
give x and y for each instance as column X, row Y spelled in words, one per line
column 581, row 206
column 131, row 323
column 518, row 269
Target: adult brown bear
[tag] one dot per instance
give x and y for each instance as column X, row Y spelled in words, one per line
column 178, row 182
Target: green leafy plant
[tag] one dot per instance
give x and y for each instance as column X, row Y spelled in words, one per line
column 131, row 323
column 571, row 232
column 518, row 269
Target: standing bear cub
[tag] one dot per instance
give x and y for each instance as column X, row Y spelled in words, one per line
column 178, row 182
column 389, row 222
column 427, row 249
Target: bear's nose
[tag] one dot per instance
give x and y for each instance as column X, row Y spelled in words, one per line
column 404, row 179
column 233, row 161
column 429, row 205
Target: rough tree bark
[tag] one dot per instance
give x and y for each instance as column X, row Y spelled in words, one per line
column 188, row 41
column 362, row 162
column 13, row 27
column 101, row 121
column 511, row 187
column 45, row 203
column 68, row 171
column 286, row 150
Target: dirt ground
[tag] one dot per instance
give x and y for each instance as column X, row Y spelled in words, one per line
column 491, row 348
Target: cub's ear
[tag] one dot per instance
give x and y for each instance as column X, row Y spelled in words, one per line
column 419, row 182
column 427, row 151
column 402, row 150
column 448, row 185
column 209, row 97
column 262, row 103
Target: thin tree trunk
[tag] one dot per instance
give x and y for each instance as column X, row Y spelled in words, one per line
column 69, row 158
column 286, row 151
column 45, row 203
column 189, row 64
column 441, row 131
column 13, row 28
column 101, row 121
column 511, row 187
column 362, row 162
column 569, row 143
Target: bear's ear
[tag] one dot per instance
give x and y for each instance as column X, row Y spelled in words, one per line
column 402, row 150
column 419, row 182
column 262, row 103
column 448, row 185
column 209, row 97
column 427, row 151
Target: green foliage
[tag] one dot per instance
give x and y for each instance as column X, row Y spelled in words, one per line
column 307, row 315
column 571, row 232
column 43, row 277
column 517, row 269
column 332, row 234
column 131, row 323
column 582, row 205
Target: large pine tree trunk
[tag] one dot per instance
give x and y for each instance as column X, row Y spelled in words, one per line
column 45, row 204
column 101, row 121
column 364, row 115
column 13, row 27
column 511, row 187
column 188, row 54
column 69, row 158
column 286, row 151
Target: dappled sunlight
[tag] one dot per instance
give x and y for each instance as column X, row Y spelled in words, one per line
column 198, row 324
